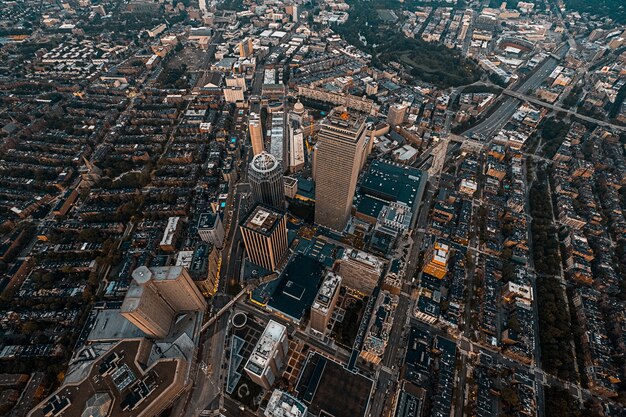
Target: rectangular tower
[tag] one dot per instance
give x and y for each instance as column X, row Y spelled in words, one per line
column 264, row 234
column 267, row 358
column 145, row 308
column 325, row 301
column 338, row 158
column 256, row 133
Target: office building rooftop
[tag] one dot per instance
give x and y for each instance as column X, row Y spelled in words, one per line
column 326, row 292
column 207, row 220
column 282, row 404
column 264, row 162
column 363, row 258
column 349, row 121
column 265, row 347
column 262, row 220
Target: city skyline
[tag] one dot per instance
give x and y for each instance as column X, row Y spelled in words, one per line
column 243, row 208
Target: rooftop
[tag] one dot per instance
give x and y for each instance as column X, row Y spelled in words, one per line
column 389, row 182
column 262, row 220
column 282, row 404
column 207, row 220
column 264, row 162
column 265, row 347
column 117, row 375
column 325, row 386
column 326, row 292
column 297, row 287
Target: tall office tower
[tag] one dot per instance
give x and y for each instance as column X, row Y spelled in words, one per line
column 265, row 236
column 145, row 308
column 211, row 229
column 256, row 134
column 338, row 158
column 265, row 174
column 266, row 361
column 176, row 286
column 324, row 303
column 396, row 114
column 246, row 48
column 360, row 270
column 156, row 295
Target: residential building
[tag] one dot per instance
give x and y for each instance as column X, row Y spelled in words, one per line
column 396, row 114
column 436, row 260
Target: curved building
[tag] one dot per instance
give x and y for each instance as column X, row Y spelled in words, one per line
column 266, row 180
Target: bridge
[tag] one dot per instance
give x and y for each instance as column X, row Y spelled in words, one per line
column 554, row 107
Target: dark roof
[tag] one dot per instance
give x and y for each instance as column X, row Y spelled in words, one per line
column 324, row 385
column 297, row 287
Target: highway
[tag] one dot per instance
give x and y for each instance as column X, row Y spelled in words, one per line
column 508, row 104
column 536, row 101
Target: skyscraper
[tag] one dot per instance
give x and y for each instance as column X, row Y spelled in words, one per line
column 156, row 295
column 265, row 174
column 246, row 48
column 256, row 134
column 325, row 302
column 264, row 234
column 396, row 114
column 267, row 359
column 340, row 150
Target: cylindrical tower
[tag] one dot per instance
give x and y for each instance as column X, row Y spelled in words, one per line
column 266, row 180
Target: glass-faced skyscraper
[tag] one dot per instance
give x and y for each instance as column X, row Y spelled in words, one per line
column 265, row 174
column 341, row 147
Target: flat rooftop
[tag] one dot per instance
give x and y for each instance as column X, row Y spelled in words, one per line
column 349, row 120
column 297, row 287
column 326, row 292
column 265, row 347
column 393, row 182
column 207, row 220
column 262, row 220
column 326, row 386
column 131, row 388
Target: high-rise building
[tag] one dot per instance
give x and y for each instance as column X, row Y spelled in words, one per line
column 436, row 260
column 325, row 302
column 266, row 361
column 246, row 48
column 256, row 134
column 360, row 270
column 264, row 234
column 156, row 295
column 146, row 309
column 371, row 88
column 340, row 150
column 208, row 283
column 396, row 114
column 281, row 404
column 211, row 229
column 296, row 147
column 265, row 174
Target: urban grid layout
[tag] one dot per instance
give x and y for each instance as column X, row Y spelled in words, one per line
column 313, row 208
